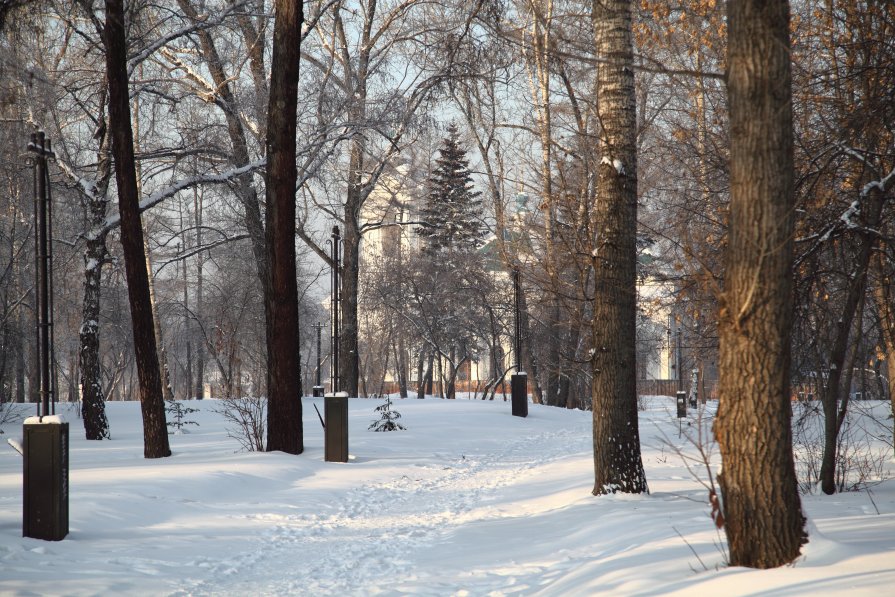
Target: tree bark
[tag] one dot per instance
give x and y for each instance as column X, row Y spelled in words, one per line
column 617, row 461
column 155, row 431
column 761, row 507
column 284, row 425
column 96, row 425
column 884, row 296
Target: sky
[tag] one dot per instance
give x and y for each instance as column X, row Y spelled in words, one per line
column 469, row 500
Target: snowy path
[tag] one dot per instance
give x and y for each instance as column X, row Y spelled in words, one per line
column 365, row 543
column 468, row 501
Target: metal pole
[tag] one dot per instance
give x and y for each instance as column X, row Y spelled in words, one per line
column 319, row 327
column 336, row 300
column 517, row 295
column 41, row 147
column 680, row 363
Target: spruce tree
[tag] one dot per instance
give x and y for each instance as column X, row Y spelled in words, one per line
column 452, row 208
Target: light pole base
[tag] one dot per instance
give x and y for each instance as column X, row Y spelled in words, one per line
column 46, row 479
column 335, row 444
column 519, row 393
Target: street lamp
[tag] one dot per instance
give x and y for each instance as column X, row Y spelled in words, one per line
column 45, row 445
column 335, row 404
column 519, row 380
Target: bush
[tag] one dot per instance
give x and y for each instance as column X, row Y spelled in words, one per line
column 246, row 421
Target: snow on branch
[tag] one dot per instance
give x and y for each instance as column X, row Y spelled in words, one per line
column 370, row 226
column 846, row 220
column 87, row 186
column 883, row 184
column 186, row 183
column 207, row 22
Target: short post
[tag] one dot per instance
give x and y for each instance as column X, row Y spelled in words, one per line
column 45, row 487
column 681, row 405
column 519, row 380
column 681, row 411
column 335, row 410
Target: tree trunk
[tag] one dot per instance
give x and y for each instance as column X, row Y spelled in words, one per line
column 188, row 329
column 430, row 376
column 349, row 361
column 200, row 299
column 884, row 296
column 761, row 507
column 20, row 369
column 528, row 358
column 870, row 214
column 284, row 425
column 420, row 379
column 401, row 364
column 617, row 462
column 155, row 431
column 96, row 425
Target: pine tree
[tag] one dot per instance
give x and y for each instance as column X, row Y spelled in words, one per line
column 451, row 212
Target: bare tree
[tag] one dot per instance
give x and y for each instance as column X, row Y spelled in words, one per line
column 155, row 430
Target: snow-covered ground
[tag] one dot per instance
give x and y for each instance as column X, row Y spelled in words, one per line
column 468, row 501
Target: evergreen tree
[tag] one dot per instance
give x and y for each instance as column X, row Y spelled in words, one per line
column 451, row 212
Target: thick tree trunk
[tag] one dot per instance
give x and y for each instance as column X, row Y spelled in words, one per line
column 761, row 507
column 155, row 431
column 284, row 425
column 617, row 462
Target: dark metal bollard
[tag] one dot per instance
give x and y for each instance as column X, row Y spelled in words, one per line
column 519, row 393
column 335, row 444
column 681, row 405
column 45, row 452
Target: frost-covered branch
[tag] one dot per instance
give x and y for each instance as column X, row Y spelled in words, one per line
column 847, row 219
column 206, row 23
column 169, row 191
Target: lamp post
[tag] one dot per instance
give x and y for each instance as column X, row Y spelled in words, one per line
column 335, row 298
column 680, row 361
column 519, row 380
column 45, row 446
column 335, row 404
column 43, row 238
